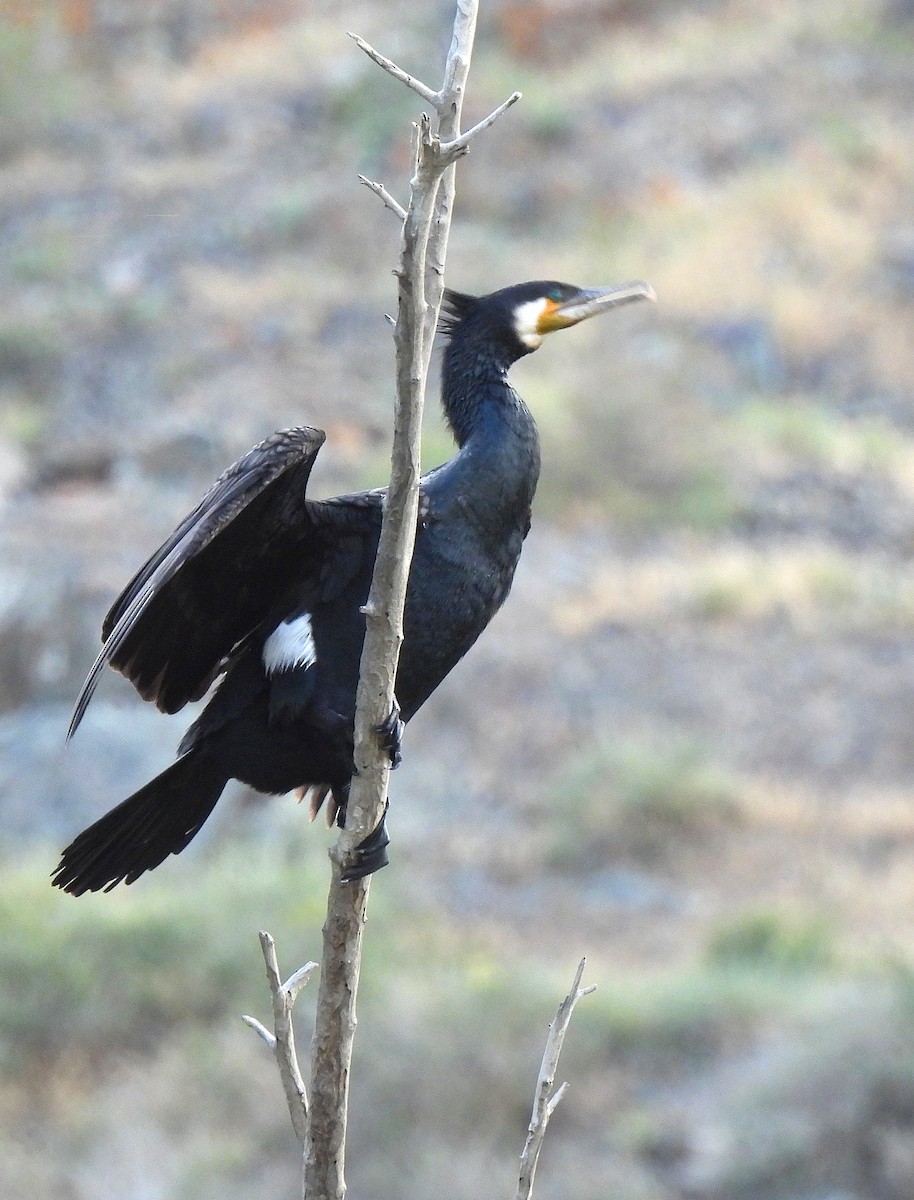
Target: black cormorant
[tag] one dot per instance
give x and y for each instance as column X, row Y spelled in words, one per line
column 264, row 588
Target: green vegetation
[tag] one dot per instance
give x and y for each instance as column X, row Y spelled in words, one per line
column 29, row 356
column 177, row 954
column 116, row 971
column 635, row 798
column 373, row 126
column 34, row 92
column 607, row 456
column 768, row 940
column 815, row 589
column 135, row 997
column 812, row 432
column 23, row 418
column 48, row 258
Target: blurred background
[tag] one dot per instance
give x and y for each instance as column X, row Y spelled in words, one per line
column 685, row 746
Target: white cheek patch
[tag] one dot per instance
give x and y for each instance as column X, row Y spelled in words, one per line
column 291, row 644
column 526, row 322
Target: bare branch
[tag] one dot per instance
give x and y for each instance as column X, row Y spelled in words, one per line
column 460, row 145
column 545, row 1105
column 298, row 979
column 261, row 1030
column 381, row 191
column 282, row 1041
column 450, row 111
column 457, row 66
column 416, row 85
column 420, row 277
column 554, row 1102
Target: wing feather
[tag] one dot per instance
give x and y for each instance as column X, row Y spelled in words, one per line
column 214, row 579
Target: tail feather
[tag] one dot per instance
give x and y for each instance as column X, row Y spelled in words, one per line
column 142, row 831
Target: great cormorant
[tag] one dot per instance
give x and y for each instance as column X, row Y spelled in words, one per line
column 265, row 588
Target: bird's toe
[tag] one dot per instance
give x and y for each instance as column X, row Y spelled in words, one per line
column 390, row 734
column 369, row 855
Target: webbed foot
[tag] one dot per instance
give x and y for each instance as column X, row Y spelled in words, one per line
column 369, row 855
column 390, row 733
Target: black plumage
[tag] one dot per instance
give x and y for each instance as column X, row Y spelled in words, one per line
column 263, row 587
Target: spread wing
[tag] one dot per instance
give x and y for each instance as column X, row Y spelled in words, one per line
column 216, row 577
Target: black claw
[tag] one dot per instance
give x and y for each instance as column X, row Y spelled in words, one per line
column 341, row 799
column 369, row 855
column 390, row 731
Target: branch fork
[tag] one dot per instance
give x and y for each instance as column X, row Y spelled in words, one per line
column 282, row 1040
column 545, row 1101
column 446, row 103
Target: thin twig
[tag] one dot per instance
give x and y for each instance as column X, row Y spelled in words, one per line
column 261, row 1030
column 554, row 1102
column 459, row 145
column 416, row 85
column 544, row 1105
column 380, row 190
column 298, row 979
column 282, row 1040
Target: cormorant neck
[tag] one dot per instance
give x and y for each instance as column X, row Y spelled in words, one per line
column 475, row 393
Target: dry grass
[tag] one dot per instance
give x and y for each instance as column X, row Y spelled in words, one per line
column 816, row 589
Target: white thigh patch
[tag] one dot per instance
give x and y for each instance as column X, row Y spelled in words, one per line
column 291, row 644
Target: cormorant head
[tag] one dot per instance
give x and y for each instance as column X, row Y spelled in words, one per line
column 518, row 318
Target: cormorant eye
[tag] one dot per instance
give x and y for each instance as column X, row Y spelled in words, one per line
column 554, row 294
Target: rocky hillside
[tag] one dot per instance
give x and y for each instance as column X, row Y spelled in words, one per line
column 683, row 748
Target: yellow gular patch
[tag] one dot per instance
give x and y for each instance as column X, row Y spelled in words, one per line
column 552, row 318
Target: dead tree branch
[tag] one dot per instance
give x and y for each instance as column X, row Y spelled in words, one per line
column 426, row 224
column 461, row 144
column 544, row 1104
column 282, row 1040
column 381, row 191
column 415, row 85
